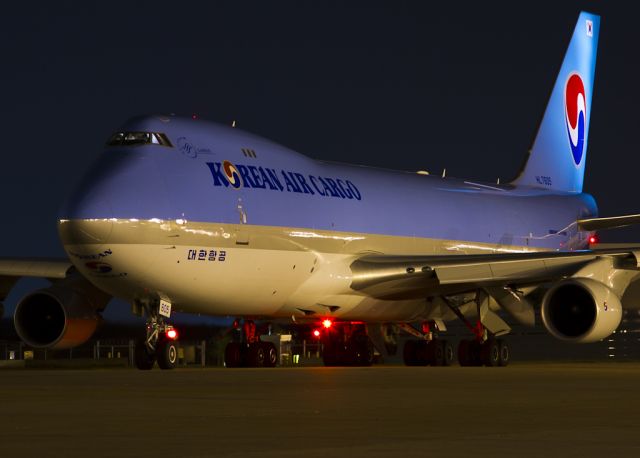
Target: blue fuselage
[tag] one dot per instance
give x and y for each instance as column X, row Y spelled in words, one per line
column 217, row 174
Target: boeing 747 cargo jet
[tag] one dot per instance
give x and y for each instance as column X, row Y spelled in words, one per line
column 192, row 216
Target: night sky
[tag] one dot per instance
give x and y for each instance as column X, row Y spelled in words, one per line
column 402, row 85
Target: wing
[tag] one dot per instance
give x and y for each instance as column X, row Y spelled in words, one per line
column 11, row 270
column 395, row 277
column 613, row 222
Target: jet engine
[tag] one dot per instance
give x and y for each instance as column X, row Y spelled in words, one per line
column 581, row 310
column 58, row 317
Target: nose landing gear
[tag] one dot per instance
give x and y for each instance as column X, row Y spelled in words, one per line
column 160, row 343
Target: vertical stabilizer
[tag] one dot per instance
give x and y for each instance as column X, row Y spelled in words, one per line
column 557, row 158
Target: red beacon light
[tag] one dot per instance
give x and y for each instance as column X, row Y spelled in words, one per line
column 316, row 333
column 327, row 323
column 593, row 240
column 171, row 334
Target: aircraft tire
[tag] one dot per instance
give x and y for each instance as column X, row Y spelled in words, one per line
column 271, row 354
column 167, row 354
column 143, row 360
column 505, row 353
column 490, row 353
column 364, row 354
column 424, row 353
column 447, row 353
column 464, row 353
column 233, row 355
column 435, row 353
column 257, row 355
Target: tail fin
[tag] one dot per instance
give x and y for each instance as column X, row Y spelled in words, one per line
column 557, row 158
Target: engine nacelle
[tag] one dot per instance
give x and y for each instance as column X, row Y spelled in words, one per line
column 581, row 310
column 58, row 317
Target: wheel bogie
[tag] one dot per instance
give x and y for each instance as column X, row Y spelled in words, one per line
column 257, row 354
column 490, row 353
column 434, row 352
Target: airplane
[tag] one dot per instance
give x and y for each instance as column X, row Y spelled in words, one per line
column 182, row 214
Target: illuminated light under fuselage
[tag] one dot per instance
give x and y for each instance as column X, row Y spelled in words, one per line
column 172, row 334
column 327, row 323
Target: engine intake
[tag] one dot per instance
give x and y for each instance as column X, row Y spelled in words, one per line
column 581, row 310
column 55, row 318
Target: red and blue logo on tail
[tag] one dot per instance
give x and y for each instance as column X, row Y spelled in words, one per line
column 559, row 152
column 575, row 103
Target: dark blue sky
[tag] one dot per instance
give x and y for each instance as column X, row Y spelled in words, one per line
column 406, row 85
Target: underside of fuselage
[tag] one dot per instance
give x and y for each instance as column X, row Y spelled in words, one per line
column 242, row 270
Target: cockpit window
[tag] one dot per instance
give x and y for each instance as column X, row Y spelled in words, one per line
column 139, row 138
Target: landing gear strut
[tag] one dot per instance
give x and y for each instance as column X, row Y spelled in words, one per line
column 250, row 351
column 347, row 344
column 160, row 343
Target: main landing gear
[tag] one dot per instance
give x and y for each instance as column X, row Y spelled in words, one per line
column 426, row 350
column 250, row 351
column 484, row 349
column 492, row 352
column 346, row 344
column 160, row 343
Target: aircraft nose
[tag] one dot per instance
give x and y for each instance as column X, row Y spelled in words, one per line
column 86, row 218
column 122, row 185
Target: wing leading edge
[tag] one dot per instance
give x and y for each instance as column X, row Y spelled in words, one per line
column 392, row 276
column 12, row 269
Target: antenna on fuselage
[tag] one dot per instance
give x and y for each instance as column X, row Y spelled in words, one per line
column 444, row 173
column 233, row 123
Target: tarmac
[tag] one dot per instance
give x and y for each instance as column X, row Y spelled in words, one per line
column 568, row 410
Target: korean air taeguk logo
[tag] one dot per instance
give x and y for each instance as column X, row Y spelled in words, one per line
column 231, row 174
column 575, row 110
